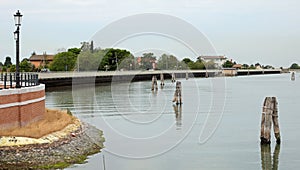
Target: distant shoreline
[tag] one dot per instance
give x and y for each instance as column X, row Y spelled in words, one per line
column 58, row 79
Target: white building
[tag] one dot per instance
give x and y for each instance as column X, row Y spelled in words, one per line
column 219, row 59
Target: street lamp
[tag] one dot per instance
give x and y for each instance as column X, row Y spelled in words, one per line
column 18, row 18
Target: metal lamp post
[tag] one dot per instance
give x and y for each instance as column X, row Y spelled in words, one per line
column 18, row 18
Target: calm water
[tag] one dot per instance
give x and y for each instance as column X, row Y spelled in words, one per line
column 144, row 130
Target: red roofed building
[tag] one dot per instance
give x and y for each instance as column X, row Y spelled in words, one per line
column 41, row 60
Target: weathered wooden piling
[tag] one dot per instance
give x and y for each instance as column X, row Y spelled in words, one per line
column 162, row 80
column 178, row 115
column 154, row 83
column 186, row 75
column 293, row 76
column 177, row 95
column 173, row 78
column 206, row 74
column 275, row 121
column 269, row 116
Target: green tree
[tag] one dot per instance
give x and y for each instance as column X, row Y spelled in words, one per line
column 12, row 68
column 294, row 66
column 1, row 67
column 128, row 62
column 245, row 66
column 7, row 62
column 187, row 60
column 74, row 50
column 114, row 58
column 26, row 66
column 105, row 59
column 268, row 67
column 168, row 62
column 228, row 64
column 198, row 65
column 147, row 60
column 64, row 61
column 252, row 67
column 88, row 61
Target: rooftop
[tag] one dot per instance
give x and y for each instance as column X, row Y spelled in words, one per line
column 41, row 57
column 213, row 57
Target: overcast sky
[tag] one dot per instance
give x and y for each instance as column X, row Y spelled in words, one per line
column 247, row 31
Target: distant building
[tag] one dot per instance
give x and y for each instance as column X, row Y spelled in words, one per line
column 41, row 60
column 219, row 59
column 139, row 61
column 237, row 66
column 229, row 72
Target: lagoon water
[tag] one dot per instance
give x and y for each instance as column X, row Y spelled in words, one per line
column 217, row 127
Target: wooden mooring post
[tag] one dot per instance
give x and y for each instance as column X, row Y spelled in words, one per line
column 293, row 76
column 186, row 75
column 173, row 78
column 206, row 74
column 177, row 95
column 269, row 116
column 154, row 83
column 162, row 80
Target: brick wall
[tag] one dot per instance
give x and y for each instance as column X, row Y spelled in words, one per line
column 19, row 107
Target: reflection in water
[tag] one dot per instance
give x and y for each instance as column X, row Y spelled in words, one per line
column 178, row 115
column 266, row 159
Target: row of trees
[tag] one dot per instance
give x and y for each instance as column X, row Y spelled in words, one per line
column 117, row 59
column 25, row 66
column 89, row 59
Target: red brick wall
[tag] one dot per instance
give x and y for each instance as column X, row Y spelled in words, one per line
column 32, row 112
column 23, row 108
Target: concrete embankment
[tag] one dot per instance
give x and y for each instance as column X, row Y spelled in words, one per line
column 56, row 79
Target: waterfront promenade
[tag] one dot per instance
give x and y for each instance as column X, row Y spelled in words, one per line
column 54, row 79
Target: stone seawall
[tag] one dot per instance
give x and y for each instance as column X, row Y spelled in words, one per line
column 56, row 79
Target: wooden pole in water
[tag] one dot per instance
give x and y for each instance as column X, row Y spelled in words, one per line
column 269, row 116
column 154, row 83
column 186, row 75
column 162, row 80
column 266, row 123
column 103, row 159
column 275, row 121
column 293, row 77
column 173, row 78
column 177, row 95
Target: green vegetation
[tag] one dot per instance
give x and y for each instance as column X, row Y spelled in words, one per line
column 7, row 62
column 294, row 66
column 64, row 61
column 105, row 60
column 147, row 60
column 87, row 58
column 26, row 66
column 170, row 62
column 228, row 64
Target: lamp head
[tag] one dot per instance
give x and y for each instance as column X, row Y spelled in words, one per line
column 18, row 18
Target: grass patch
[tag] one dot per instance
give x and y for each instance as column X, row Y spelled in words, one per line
column 52, row 121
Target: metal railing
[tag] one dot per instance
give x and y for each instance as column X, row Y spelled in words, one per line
column 7, row 80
